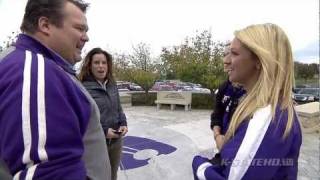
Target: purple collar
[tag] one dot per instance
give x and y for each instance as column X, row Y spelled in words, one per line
column 27, row 42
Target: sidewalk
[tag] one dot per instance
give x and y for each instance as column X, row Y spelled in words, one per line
column 161, row 145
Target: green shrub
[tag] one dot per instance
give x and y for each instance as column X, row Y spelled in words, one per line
column 141, row 99
column 202, row 101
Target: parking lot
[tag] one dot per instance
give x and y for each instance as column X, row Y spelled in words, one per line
column 306, row 95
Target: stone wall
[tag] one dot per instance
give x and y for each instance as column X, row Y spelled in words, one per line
column 125, row 99
column 309, row 116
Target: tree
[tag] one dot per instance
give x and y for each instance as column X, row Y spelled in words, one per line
column 314, row 68
column 141, row 57
column 9, row 41
column 197, row 60
column 142, row 71
column 121, row 66
column 305, row 71
column 172, row 61
column 144, row 78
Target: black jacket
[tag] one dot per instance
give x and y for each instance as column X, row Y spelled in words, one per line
column 108, row 101
column 227, row 98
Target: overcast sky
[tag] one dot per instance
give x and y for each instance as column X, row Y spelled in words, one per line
column 116, row 25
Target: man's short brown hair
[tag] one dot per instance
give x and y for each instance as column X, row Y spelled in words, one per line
column 52, row 9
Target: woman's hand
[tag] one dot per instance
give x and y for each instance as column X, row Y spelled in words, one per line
column 123, row 130
column 218, row 137
column 219, row 141
column 111, row 134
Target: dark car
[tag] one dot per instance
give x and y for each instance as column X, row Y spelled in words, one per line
column 305, row 95
column 123, row 86
column 296, row 90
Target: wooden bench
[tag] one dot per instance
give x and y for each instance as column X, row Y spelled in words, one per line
column 174, row 98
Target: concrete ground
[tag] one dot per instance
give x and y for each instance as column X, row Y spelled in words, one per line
column 162, row 143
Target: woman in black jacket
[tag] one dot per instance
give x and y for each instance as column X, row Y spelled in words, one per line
column 96, row 76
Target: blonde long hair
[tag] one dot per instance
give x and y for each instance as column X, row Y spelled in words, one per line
column 274, row 85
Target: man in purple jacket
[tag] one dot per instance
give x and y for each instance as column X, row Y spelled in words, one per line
column 49, row 124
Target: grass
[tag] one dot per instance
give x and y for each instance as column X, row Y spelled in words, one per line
column 312, row 82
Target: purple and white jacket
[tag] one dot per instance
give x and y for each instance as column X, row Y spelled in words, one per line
column 257, row 151
column 44, row 115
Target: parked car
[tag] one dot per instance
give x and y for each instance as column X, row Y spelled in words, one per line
column 296, row 90
column 187, row 88
column 123, row 86
column 135, row 87
column 161, row 87
column 303, row 86
column 305, row 95
column 201, row 90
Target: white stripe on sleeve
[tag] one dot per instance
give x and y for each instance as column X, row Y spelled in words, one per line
column 201, row 169
column 41, row 110
column 26, row 127
column 256, row 131
column 30, row 172
column 17, row 176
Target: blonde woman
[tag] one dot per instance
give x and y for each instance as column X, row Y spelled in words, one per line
column 264, row 137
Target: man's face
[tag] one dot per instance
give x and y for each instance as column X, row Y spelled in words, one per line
column 69, row 39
